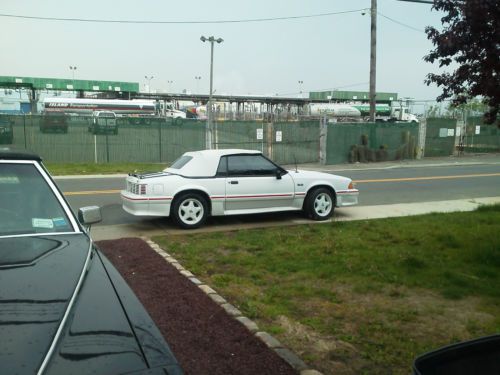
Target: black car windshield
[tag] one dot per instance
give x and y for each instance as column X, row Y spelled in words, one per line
column 27, row 203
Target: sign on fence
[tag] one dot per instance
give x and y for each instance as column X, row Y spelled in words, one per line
column 260, row 133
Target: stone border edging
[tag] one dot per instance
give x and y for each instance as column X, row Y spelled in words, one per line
column 286, row 354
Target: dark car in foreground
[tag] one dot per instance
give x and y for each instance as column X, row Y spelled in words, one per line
column 6, row 131
column 64, row 309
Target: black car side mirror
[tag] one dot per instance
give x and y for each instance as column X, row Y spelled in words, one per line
column 479, row 356
column 278, row 174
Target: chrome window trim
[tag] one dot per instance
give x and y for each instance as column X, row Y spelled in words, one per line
column 55, row 340
column 39, row 234
column 55, row 191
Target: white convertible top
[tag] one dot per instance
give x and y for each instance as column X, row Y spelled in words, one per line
column 204, row 163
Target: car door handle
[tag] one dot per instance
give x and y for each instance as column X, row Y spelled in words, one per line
column 233, row 182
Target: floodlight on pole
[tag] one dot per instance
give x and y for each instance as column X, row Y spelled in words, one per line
column 212, row 40
column 72, row 68
column 197, row 78
column 300, row 88
column 169, row 83
column 149, row 78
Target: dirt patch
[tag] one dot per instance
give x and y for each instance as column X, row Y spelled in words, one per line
column 204, row 339
column 388, row 319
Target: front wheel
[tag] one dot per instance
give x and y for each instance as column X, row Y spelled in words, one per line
column 320, row 204
column 190, row 210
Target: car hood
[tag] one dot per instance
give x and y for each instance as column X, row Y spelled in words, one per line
column 38, row 277
column 314, row 175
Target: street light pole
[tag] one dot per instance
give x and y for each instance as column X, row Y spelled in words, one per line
column 197, row 78
column 149, row 83
column 72, row 68
column 209, row 106
column 373, row 59
column 168, row 85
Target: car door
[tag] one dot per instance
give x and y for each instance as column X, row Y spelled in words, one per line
column 253, row 185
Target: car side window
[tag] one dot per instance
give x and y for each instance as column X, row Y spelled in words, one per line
column 222, row 168
column 250, row 165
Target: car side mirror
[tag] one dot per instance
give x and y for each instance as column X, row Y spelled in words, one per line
column 479, row 356
column 89, row 215
column 278, row 174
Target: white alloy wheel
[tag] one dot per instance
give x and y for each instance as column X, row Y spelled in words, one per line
column 323, row 204
column 320, row 203
column 190, row 210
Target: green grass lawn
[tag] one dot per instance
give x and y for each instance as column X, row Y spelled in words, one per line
column 359, row 297
column 59, row 169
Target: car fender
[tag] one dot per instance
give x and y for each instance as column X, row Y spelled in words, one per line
column 191, row 187
column 318, row 183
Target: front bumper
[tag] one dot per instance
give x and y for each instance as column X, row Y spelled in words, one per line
column 347, row 197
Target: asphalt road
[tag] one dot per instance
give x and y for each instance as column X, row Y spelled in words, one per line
column 377, row 186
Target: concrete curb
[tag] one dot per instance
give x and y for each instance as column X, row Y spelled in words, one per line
column 272, row 343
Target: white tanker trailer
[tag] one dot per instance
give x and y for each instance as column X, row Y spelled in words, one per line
column 360, row 112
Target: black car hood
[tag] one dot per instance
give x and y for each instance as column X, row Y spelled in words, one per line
column 38, row 276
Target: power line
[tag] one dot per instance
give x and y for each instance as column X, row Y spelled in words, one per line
column 181, row 22
column 401, row 23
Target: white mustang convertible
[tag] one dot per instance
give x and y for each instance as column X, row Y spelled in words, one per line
column 233, row 182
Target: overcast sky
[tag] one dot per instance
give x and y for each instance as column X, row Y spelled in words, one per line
column 259, row 58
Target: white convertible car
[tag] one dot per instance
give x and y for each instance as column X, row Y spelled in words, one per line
column 233, row 182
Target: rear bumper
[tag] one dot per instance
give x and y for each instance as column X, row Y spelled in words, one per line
column 140, row 205
column 347, row 197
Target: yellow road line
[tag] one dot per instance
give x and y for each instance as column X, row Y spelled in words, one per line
column 429, row 178
column 92, row 192
column 99, row 192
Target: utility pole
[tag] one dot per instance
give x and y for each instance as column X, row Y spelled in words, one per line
column 209, row 138
column 373, row 59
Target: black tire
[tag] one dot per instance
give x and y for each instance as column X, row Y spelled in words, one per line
column 190, row 210
column 319, row 204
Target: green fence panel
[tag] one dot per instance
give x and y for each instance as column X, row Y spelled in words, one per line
column 179, row 136
column 480, row 137
column 440, row 137
column 370, row 142
column 250, row 135
column 296, row 142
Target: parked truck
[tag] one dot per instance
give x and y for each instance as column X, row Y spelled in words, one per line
column 137, row 109
column 361, row 112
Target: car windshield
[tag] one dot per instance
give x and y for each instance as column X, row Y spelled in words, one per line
column 27, row 203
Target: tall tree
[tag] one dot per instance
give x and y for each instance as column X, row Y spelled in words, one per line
column 470, row 39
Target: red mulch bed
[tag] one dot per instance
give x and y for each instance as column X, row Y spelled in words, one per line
column 203, row 337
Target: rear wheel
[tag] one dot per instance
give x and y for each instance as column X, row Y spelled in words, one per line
column 190, row 210
column 320, row 204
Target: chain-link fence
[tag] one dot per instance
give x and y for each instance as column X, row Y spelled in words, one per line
column 371, row 142
column 133, row 139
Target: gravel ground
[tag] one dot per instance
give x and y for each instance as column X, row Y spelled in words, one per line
column 203, row 337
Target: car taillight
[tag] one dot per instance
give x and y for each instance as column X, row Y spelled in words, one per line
column 139, row 189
